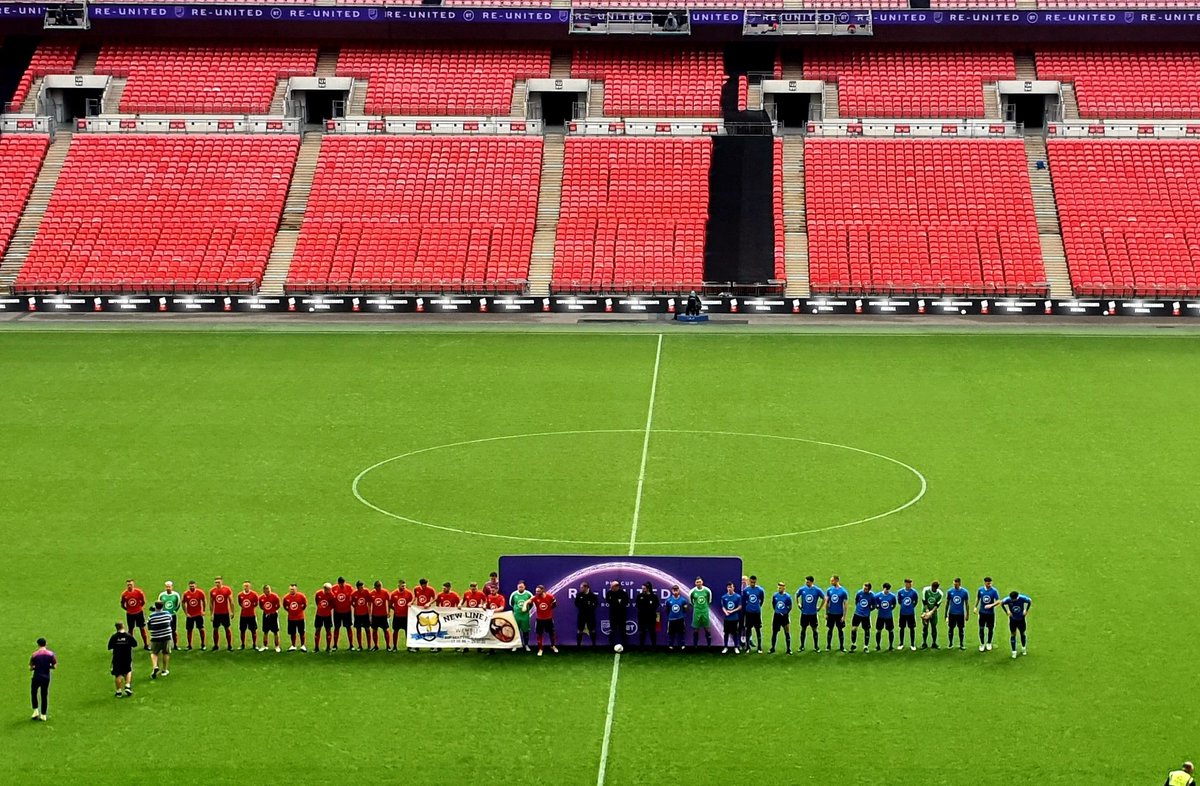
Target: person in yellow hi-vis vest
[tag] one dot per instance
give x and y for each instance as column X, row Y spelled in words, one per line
column 1182, row 776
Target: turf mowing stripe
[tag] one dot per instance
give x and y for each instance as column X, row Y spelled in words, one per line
column 637, row 512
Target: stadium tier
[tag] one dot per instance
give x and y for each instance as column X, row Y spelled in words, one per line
column 418, row 212
column 633, row 214
column 442, row 80
column 50, row 58
column 1128, row 83
column 210, row 79
column 1130, row 214
column 655, row 82
column 20, row 158
column 935, row 82
column 921, row 216
column 135, row 212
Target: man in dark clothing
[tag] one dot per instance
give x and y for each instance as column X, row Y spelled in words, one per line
column 647, row 615
column 122, row 645
column 693, row 304
column 618, row 613
column 586, row 604
column 41, row 663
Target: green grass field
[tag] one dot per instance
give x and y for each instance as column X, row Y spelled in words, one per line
column 1065, row 466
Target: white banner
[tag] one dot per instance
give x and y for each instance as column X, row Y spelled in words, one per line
column 468, row 628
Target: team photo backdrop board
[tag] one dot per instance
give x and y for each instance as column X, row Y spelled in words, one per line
column 563, row 573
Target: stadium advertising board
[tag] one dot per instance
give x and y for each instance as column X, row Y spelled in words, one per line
column 476, row 629
column 563, row 573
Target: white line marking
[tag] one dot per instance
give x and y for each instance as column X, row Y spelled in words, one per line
column 637, row 504
column 924, row 486
column 637, row 513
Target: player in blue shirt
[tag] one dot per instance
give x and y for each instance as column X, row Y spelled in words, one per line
column 753, row 598
column 908, row 598
column 886, row 603
column 987, row 598
column 781, row 602
column 836, row 598
column 677, row 608
column 864, row 601
column 958, row 611
column 731, row 604
column 811, row 600
column 1017, row 606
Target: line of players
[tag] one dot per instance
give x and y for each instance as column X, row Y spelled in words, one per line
column 364, row 613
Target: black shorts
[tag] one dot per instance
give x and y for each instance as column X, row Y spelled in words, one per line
column 399, row 623
column 341, row 619
column 195, row 623
column 860, row 622
column 247, row 623
column 1016, row 625
column 586, row 623
column 362, row 622
column 122, row 668
column 753, row 620
column 379, row 622
column 220, row 621
column 808, row 620
column 885, row 623
column 779, row 621
column 908, row 621
column 676, row 627
column 957, row 621
column 835, row 621
column 545, row 626
column 135, row 620
column 987, row 621
column 324, row 622
column 270, row 623
column 295, row 627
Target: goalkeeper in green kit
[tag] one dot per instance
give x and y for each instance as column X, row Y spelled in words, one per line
column 701, row 599
column 931, row 599
column 517, row 601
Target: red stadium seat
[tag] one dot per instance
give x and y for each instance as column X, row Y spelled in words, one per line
column 20, row 159
column 659, row 82
column 1128, row 83
column 48, row 59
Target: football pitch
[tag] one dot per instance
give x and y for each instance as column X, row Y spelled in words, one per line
column 1063, row 465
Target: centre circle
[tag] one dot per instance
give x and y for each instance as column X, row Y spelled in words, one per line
column 538, row 482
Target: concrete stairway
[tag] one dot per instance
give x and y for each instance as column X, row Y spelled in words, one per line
column 560, row 65
column 1026, row 66
column 29, row 106
column 792, row 66
column 541, row 263
column 278, row 97
column 754, row 96
column 35, row 210
column 1070, row 102
column 795, row 221
column 829, row 102
column 357, row 105
column 85, row 63
column 518, row 105
column 327, row 62
column 112, row 95
column 280, row 261
column 991, row 101
column 595, row 107
column 1054, row 257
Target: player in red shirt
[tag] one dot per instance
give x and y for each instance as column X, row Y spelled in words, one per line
column 424, row 595
column 362, row 615
column 473, row 598
column 401, row 598
column 342, row 601
column 133, row 600
column 248, row 600
column 296, row 603
column 270, row 604
column 543, row 603
column 221, row 598
column 495, row 601
column 379, row 617
column 324, row 601
column 193, row 609
column 447, row 598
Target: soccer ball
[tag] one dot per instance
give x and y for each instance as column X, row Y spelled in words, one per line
column 618, row 649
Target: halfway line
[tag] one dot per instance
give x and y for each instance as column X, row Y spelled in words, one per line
column 637, row 512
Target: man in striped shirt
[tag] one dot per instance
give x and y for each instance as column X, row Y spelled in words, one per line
column 161, row 629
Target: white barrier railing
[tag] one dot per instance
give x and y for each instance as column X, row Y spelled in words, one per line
column 14, row 124
column 1125, row 129
column 189, row 124
column 645, row 126
column 433, row 125
column 954, row 129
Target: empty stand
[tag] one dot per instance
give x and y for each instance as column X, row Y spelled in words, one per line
column 1128, row 83
column 921, row 216
column 216, row 79
column 935, row 82
column 659, row 82
column 135, row 212
column 48, row 59
column 20, row 158
column 633, row 214
column 1130, row 214
column 442, row 80
column 419, row 213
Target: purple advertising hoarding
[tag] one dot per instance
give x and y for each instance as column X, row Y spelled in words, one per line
column 563, row 573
